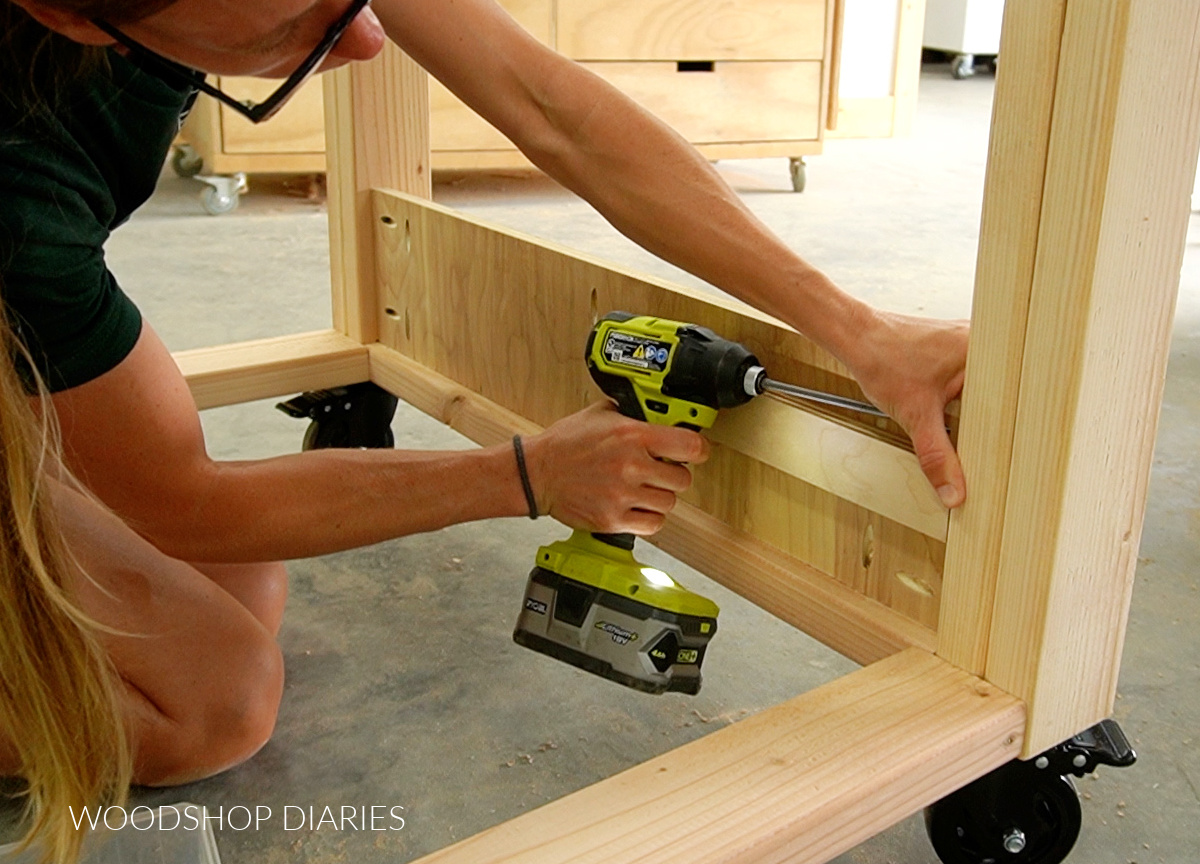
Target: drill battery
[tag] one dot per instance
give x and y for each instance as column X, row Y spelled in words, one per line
column 592, row 604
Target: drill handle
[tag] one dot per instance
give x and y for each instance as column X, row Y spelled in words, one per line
column 621, row 541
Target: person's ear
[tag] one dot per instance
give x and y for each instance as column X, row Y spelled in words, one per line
column 74, row 27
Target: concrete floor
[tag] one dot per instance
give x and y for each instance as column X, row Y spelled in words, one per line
column 403, row 685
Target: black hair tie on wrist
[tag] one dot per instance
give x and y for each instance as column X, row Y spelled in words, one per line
column 525, row 484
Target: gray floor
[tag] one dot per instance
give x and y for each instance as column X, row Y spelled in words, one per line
column 403, row 686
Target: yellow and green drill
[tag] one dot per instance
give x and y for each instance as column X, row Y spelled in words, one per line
column 589, row 601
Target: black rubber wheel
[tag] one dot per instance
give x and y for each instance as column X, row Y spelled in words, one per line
column 1016, row 814
column 358, row 416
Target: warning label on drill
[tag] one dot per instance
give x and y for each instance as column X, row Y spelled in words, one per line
column 638, row 352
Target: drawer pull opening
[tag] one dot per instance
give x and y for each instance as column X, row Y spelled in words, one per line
column 694, row 66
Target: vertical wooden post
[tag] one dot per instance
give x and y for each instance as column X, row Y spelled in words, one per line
column 377, row 136
column 1060, row 550
column 1008, row 237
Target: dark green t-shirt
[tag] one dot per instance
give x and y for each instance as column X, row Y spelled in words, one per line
column 66, row 181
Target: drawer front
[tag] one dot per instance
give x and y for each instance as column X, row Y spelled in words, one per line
column 692, row 29
column 299, row 127
column 734, row 102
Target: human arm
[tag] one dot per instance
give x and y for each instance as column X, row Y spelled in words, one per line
column 134, row 438
column 655, row 188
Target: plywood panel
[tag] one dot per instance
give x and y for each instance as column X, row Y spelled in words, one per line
column 521, row 346
column 691, row 29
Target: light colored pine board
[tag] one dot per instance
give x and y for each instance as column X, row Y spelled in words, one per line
column 1113, row 225
column 1008, row 241
column 691, row 29
column 863, row 551
column 736, row 101
column 909, row 31
column 864, row 117
column 833, row 612
column 850, row 623
column 464, row 411
column 798, row 783
column 866, row 471
column 377, row 136
column 263, row 368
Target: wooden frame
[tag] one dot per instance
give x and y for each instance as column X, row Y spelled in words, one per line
column 995, row 634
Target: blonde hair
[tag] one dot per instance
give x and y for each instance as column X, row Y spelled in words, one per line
column 59, row 704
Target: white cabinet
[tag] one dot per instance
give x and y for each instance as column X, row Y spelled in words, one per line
column 964, row 28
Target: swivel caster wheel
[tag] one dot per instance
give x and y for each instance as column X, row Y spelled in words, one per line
column 1024, row 812
column 963, row 66
column 222, row 194
column 358, row 416
column 186, row 162
column 799, row 172
column 1014, row 814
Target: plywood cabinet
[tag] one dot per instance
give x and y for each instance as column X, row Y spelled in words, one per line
column 736, row 79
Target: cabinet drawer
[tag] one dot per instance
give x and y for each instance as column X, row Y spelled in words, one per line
column 734, row 102
column 299, row 127
column 692, row 29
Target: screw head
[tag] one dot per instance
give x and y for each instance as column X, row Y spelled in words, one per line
column 1014, row 841
column 1079, row 761
column 1042, row 763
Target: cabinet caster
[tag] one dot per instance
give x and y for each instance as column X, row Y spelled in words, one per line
column 799, row 172
column 186, row 162
column 221, row 194
column 357, row 416
column 1026, row 812
column 963, row 66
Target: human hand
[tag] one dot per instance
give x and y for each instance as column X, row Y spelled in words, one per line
column 600, row 471
column 911, row 368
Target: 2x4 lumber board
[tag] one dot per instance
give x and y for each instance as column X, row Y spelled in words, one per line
column 800, row 783
column 856, row 626
column 244, row 371
column 376, row 135
column 869, row 472
column 1008, row 241
column 1113, row 224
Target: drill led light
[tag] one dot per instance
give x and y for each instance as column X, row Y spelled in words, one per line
column 658, row 577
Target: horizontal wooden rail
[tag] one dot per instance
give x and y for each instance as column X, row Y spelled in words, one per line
column 861, row 469
column 800, row 783
column 857, row 626
column 263, row 368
